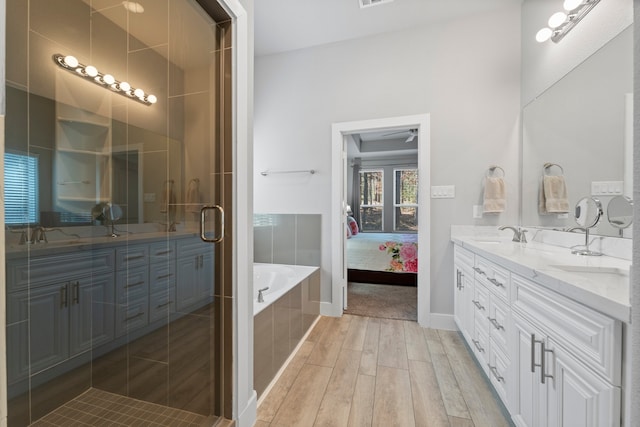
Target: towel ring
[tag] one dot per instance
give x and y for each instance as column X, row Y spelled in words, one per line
column 492, row 170
column 547, row 166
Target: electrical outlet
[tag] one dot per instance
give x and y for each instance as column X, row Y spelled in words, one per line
column 478, row 210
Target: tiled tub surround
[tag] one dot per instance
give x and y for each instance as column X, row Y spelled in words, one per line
column 545, row 325
column 283, row 319
column 287, row 239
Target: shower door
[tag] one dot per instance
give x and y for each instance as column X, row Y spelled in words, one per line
column 118, row 134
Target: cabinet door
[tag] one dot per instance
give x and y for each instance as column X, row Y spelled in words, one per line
column 187, row 285
column 91, row 312
column 49, row 326
column 528, row 401
column 463, row 294
column 576, row 395
column 205, row 276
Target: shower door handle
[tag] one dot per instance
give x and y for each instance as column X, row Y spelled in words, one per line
column 203, row 220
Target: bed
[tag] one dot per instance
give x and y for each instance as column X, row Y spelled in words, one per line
column 388, row 258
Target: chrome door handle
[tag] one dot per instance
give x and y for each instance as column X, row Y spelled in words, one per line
column 203, row 220
column 534, row 365
column 543, row 362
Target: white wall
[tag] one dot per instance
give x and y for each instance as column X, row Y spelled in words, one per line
column 545, row 63
column 465, row 73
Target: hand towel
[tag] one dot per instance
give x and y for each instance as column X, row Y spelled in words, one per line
column 553, row 195
column 494, row 195
column 192, row 200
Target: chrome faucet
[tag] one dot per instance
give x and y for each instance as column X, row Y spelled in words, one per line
column 518, row 233
column 260, row 296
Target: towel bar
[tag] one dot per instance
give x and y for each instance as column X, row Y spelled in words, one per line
column 547, row 166
column 492, row 169
column 309, row 171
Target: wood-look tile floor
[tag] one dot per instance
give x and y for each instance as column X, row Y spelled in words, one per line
column 364, row 371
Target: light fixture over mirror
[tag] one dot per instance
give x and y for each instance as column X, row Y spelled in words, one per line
column 560, row 23
column 91, row 73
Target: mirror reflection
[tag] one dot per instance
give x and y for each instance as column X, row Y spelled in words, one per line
column 620, row 212
column 583, row 124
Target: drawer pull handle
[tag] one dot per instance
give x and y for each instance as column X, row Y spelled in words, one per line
column 64, row 297
column 163, row 252
column 495, row 323
column 164, row 276
column 495, row 282
column 135, row 316
column 496, row 374
column 131, row 285
column 479, row 270
column 76, row 293
column 534, row 365
column 477, row 344
column 164, row 305
column 477, row 304
column 543, row 363
column 132, row 258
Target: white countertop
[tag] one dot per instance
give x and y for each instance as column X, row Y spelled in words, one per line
column 599, row 282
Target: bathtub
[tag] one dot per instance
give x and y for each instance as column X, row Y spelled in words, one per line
column 279, row 278
column 290, row 308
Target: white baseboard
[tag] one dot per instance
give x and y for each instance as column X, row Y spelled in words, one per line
column 247, row 417
column 331, row 309
column 442, row 321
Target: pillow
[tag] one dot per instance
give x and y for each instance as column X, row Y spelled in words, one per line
column 353, row 225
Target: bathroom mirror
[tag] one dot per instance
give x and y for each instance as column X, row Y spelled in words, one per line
column 620, row 212
column 584, row 124
column 587, row 212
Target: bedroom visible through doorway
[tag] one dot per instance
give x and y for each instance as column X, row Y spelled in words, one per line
column 382, row 169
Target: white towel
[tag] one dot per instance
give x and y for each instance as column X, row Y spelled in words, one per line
column 553, row 195
column 494, row 195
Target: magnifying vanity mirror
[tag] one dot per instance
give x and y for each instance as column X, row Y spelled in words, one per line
column 587, row 213
column 620, row 212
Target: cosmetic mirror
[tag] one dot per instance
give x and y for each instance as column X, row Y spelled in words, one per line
column 588, row 211
column 620, row 212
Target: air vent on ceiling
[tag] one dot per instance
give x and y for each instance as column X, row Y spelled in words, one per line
column 367, row 3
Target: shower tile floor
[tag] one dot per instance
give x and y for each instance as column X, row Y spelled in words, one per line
column 100, row 408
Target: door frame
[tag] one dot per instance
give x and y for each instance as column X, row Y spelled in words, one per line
column 339, row 132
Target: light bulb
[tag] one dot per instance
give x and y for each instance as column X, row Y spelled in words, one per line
column 557, row 19
column 570, row 5
column 139, row 93
column 70, row 61
column 544, row 34
column 91, row 70
column 152, row 99
column 124, row 86
column 108, row 79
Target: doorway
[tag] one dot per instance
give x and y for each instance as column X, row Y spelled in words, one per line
column 342, row 135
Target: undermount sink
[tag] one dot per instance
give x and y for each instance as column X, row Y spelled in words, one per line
column 593, row 269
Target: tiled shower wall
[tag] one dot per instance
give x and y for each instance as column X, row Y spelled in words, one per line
column 292, row 239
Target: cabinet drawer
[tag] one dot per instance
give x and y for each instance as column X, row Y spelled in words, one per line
column 161, row 304
column 132, row 256
column 480, row 343
column 133, row 316
column 193, row 246
column 593, row 338
column 162, row 252
column 495, row 277
column 161, row 277
column 498, row 367
column 132, row 284
column 463, row 257
column 480, row 301
column 500, row 319
column 46, row 270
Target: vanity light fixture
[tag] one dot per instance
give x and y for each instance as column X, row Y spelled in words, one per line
column 91, row 73
column 560, row 23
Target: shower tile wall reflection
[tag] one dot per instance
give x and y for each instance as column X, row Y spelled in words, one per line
column 138, row 315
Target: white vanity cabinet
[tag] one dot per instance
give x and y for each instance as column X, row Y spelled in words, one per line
column 553, row 361
column 463, row 295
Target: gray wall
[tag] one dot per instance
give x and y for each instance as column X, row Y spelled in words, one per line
column 465, row 73
column 287, row 239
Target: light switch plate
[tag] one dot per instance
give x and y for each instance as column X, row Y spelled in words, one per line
column 607, row 188
column 149, row 197
column 443, row 191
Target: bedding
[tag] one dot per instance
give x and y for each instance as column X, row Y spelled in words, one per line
column 390, row 252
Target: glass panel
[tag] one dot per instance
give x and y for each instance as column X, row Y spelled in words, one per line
column 406, row 218
column 110, row 290
column 371, row 188
column 371, row 219
column 406, row 185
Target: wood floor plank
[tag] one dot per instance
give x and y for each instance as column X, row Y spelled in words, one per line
column 356, row 333
column 303, row 400
column 319, row 329
column 483, row 407
column 428, row 406
column 269, row 406
column 392, row 403
column 361, row 414
column 392, row 348
column 416, row 342
column 369, row 361
column 326, row 350
column 260, row 423
column 460, row 422
column 336, row 404
column 450, row 390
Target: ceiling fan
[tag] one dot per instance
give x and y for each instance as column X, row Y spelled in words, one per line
column 412, row 134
